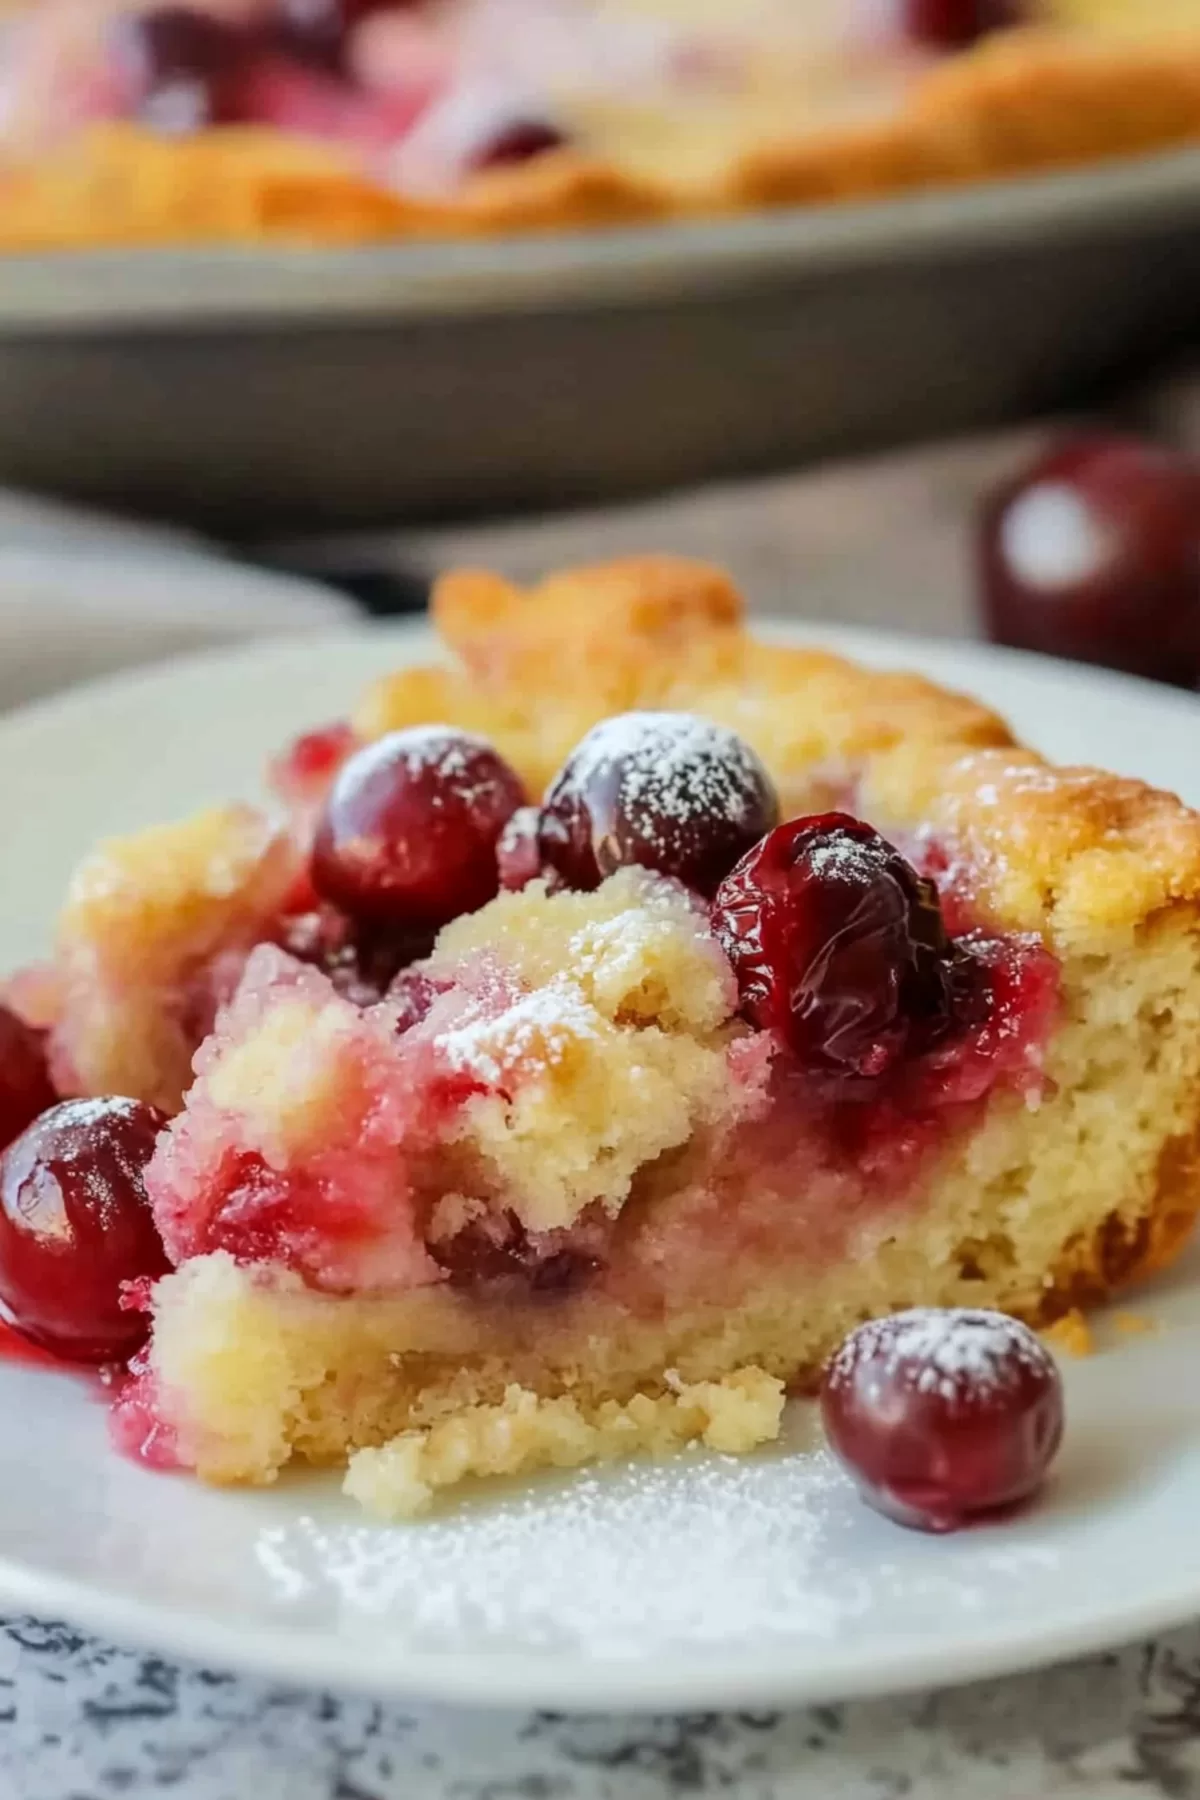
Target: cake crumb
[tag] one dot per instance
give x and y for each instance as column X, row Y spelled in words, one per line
column 527, row 1431
column 1071, row 1334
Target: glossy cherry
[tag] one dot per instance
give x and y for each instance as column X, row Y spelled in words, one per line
column 25, row 1086
column 182, row 65
column 838, row 944
column 953, row 24
column 943, row 1416
column 1094, row 553
column 407, row 838
column 667, row 791
column 75, row 1226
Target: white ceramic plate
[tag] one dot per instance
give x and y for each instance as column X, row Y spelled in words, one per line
column 705, row 1582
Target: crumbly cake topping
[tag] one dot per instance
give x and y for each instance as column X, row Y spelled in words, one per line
column 1080, row 857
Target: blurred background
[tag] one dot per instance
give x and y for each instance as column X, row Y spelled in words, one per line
column 888, row 305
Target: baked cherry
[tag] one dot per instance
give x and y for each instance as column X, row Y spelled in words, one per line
column 1094, row 553
column 407, row 838
column 76, row 1226
column 182, row 65
column 943, row 1416
column 497, row 1248
column 837, row 944
column 362, row 962
column 25, row 1086
column 952, row 24
column 668, row 791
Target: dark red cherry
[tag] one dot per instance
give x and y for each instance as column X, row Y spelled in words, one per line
column 361, row 962
column 407, row 839
column 1094, row 553
column 516, row 141
column 943, row 1416
column 952, row 24
column 25, row 1086
column 75, row 1226
column 668, row 791
column 838, row 944
column 182, row 65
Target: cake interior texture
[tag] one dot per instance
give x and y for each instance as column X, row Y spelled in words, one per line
column 551, row 1198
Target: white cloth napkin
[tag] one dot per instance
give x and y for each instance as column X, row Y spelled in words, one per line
column 82, row 595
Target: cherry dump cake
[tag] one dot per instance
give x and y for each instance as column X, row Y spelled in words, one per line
column 625, row 1010
column 122, row 121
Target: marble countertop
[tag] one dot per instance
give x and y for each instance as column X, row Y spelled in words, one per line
column 882, row 545
column 83, row 1721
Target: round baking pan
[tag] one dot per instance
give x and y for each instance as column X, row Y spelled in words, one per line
column 256, row 390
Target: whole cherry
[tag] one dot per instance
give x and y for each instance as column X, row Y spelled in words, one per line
column 838, row 945
column 1093, row 553
column 407, row 838
column 668, row 791
column 76, row 1226
column 941, row 1417
column 25, row 1086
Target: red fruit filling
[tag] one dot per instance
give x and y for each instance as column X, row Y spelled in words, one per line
column 517, row 141
column 1094, row 554
column 25, row 1086
column 303, row 775
column 76, row 1228
column 669, row 791
column 407, row 839
column 943, row 1417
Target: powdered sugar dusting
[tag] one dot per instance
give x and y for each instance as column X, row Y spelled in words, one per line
column 699, row 1552
column 944, row 1350
column 672, row 768
column 539, row 1027
column 463, row 761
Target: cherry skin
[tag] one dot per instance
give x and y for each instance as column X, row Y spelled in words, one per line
column 407, row 838
column 518, row 858
column 1094, row 554
column 25, row 1086
column 943, row 1416
column 182, row 65
column 953, row 24
column 837, row 944
column 666, row 791
column 76, row 1225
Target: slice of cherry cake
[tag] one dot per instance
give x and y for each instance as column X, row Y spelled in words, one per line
column 628, row 1011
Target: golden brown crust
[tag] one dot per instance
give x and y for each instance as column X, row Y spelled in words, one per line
column 1041, row 98
column 1084, row 857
